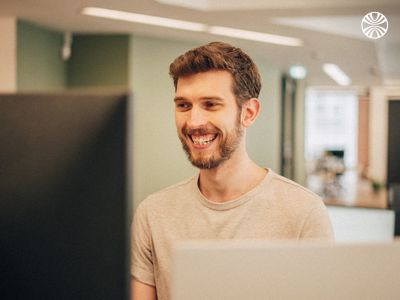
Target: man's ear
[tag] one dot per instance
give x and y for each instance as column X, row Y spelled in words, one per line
column 250, row 111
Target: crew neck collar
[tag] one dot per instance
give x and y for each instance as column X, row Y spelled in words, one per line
column 234, row 202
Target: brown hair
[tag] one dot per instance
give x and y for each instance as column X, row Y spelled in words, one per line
column 220, row 56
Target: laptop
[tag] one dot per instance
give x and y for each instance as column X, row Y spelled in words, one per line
column 262, row 270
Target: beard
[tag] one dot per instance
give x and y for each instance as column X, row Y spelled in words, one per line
column 226, row 147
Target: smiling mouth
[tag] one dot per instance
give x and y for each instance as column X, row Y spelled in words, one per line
column 202, row 140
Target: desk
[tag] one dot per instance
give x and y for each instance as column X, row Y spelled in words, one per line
column 348, row 190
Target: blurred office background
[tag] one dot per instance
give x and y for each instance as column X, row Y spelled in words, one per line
column 338, row 136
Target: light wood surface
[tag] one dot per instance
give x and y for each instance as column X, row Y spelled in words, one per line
column 348, row 190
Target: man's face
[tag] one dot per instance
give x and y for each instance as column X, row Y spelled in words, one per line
column 207, row 118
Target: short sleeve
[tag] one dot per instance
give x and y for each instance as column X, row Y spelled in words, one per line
column 141, row 247
column 317, row 224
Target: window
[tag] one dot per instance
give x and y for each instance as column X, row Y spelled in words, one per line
column 331, row 119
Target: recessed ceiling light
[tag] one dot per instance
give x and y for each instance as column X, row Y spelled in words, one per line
column 297, row 72
column 143, row 19
column 337, row 74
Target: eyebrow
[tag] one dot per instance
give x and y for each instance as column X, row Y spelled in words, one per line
column 178, row 98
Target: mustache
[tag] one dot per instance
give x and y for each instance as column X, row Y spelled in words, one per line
column 199, row 131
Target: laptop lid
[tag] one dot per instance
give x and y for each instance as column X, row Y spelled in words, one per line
column 259, row 270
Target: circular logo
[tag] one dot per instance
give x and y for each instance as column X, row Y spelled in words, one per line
column 374, row 25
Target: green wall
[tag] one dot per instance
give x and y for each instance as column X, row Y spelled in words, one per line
column 98, row 60
column 264, row 136
column 39, row 64
column 158, row 158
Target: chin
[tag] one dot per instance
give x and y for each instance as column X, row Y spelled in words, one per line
column 206, row 165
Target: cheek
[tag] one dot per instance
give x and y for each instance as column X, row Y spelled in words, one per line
column 180, row 124
column 234, row 120
column 178, row 120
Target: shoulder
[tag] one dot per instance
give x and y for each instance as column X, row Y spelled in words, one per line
column 287, row 192
column 302, row 207
column 166, row 197
column 289, row 186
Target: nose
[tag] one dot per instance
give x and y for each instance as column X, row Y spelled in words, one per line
column 197, row 117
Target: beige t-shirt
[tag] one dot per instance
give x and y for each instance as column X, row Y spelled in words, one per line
column 276, row 209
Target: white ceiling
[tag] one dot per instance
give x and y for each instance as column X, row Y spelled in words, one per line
column 330, row 29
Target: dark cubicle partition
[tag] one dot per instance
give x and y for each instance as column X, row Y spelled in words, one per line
column 64, row 212
column 393, row 166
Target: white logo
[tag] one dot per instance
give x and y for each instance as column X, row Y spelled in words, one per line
column 374, row 25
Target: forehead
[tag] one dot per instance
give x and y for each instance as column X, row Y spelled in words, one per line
column 216, row 81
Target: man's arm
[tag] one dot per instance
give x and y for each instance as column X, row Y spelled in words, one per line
column 141, row 291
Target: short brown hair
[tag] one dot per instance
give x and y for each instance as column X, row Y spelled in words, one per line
column 220, row 56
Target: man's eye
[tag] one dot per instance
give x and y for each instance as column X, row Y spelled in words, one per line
column 182, row 105
column 210, row 104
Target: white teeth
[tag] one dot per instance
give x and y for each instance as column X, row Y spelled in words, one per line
column 203, row 140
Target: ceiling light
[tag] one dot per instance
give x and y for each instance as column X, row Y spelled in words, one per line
column 255, row 36
column 143, row 19
column 298, row 72
column 334, row 72
column 185, row 25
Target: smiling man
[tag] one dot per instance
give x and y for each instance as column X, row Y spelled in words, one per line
column 216, row 101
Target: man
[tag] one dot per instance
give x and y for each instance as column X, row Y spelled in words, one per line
column 217, row 88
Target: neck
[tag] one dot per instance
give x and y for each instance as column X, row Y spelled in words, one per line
column 232, row 179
